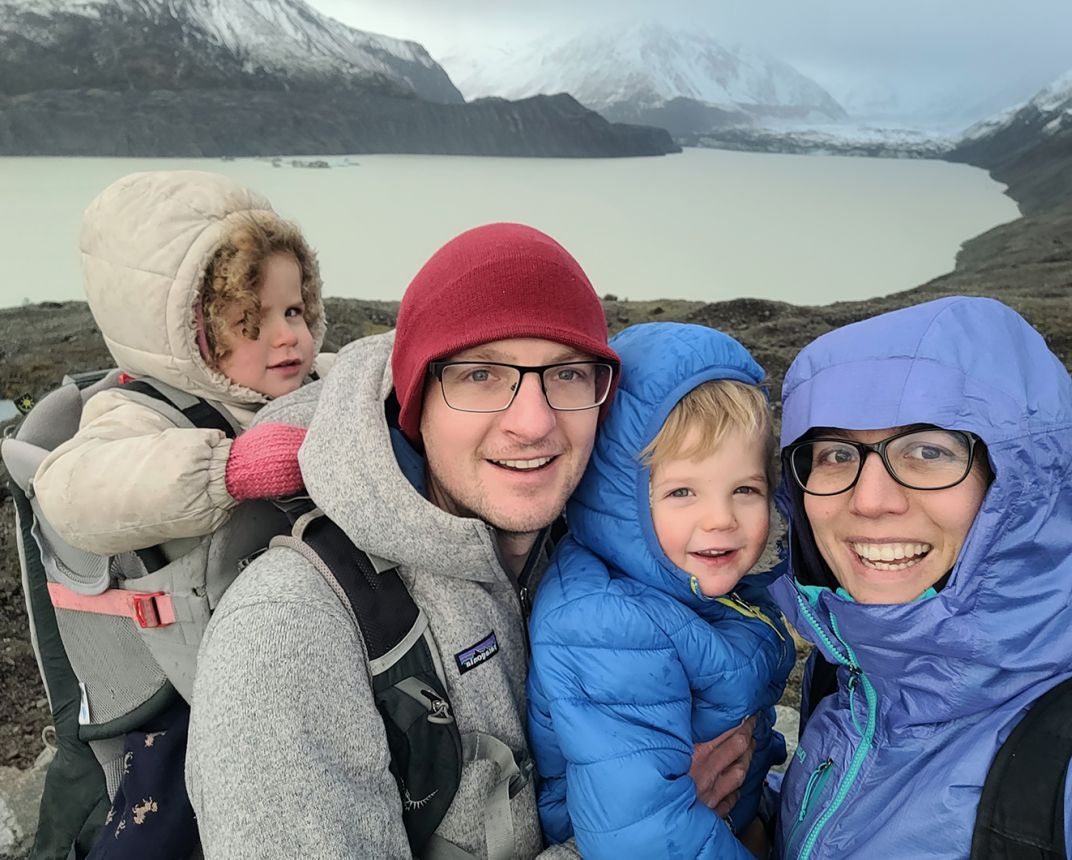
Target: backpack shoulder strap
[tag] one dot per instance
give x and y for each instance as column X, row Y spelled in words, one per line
column 198, row 411
column 382, row 604
column 407, row 678
column 1021, row 809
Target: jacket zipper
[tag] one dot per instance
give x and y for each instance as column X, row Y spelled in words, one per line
column 847, row 659
column 524, row 601
column 733, row 601
column 812, row 791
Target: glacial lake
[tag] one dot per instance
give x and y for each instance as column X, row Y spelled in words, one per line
column 704, row 224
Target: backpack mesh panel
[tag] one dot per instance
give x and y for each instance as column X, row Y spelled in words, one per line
column 125, row 566
column 82, row 571
column 110, row 754
column 111, row 660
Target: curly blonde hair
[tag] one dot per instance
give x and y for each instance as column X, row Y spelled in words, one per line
column 706, row 416
column 234, row 275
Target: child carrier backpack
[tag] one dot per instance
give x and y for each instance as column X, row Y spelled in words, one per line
column 116, row 637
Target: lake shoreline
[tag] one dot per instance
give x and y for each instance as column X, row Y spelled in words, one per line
column 703, row 225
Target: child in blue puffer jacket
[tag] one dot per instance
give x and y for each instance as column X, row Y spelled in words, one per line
column 647, row 634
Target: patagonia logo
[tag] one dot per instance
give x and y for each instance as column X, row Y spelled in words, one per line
column 474, row 655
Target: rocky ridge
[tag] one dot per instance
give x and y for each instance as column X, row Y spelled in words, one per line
column 206, row 78
column 1027, row 147
column 214, row 123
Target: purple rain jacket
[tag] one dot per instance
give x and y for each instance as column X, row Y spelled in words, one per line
column 892, row 764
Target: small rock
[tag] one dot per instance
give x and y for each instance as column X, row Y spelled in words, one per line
column 20, row 798
column 788, row 724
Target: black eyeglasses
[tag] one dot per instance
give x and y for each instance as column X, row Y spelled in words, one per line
column 491, row 386
column 920, row 459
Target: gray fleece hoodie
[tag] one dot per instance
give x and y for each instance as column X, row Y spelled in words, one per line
column 287, row 753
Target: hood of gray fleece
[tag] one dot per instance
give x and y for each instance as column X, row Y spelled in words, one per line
column 352, row 475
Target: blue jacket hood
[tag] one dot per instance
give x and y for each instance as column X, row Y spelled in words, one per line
column 1000, row 630
column 610, row 512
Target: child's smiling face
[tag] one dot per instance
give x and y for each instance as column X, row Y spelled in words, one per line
column 712, row 515
column 282, row 356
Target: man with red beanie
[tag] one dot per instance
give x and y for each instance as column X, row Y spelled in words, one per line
column 444, row 450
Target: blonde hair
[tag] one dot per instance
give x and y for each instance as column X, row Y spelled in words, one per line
column 236, row 271
column 705, row 417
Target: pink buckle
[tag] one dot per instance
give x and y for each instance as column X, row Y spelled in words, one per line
column 147, row 609
column 144, row 606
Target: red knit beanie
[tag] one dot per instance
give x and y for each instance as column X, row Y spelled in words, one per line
column 491, row 283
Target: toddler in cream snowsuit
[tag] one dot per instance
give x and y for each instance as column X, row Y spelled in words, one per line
column 196, row 283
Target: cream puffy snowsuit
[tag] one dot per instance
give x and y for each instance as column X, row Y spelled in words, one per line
column 130, row 478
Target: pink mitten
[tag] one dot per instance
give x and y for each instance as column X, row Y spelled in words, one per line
column 264, row 462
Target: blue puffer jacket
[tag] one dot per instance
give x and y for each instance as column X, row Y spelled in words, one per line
column 630, row 668
column 893, row 763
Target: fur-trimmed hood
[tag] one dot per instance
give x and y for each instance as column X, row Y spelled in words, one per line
column 146, row 240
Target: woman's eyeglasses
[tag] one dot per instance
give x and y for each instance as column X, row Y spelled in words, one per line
column 927, row 459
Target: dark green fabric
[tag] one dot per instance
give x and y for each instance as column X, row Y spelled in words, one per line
column 150, row 709
column 75, row 798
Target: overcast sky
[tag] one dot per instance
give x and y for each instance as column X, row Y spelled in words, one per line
column 928, row 56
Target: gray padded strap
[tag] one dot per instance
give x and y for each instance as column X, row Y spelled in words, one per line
column 498, row 819
column 438, row 848
column 382, row 664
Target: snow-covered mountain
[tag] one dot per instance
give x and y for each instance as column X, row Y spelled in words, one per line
column 205, row 78
column 176, row 44
column 683, row 80
column 1029, row 144
column 1048, row 114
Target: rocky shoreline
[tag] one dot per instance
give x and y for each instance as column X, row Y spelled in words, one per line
column 221, row 122
column 1026, row 263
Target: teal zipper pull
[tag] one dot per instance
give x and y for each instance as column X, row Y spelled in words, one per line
column 857, row 679
column 813, row 780
column 813, row 789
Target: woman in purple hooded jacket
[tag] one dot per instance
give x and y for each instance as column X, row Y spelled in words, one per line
column 936, row 576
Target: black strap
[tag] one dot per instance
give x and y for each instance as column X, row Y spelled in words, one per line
column 423, row 737
column 1021, row 810
column 384, row 608
column 200, row 414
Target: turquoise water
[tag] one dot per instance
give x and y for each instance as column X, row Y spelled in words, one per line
column 705, row 224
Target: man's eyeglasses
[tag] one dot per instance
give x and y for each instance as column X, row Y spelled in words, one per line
column 491, row 386
column 927, row 459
